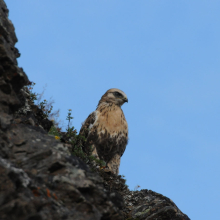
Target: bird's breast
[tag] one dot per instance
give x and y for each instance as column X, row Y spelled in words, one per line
column 111, row 119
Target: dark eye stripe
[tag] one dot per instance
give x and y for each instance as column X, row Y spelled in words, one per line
column 118, row 94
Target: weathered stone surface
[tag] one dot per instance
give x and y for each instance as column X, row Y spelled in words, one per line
column 12, row 78
column 42, row 170
column 39, row 178
column 29, row 113
column 146, row 204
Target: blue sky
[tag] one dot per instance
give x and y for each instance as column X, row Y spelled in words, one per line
column 165, row 56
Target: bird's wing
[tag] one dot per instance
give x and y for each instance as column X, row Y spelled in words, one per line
column 86, row 126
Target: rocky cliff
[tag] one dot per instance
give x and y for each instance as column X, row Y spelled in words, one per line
column 39, row 178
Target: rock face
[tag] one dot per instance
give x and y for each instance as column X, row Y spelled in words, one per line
column 39, row 178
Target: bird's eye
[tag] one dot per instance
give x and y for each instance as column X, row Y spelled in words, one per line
column 118, row 94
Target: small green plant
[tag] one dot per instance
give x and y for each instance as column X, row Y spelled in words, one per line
column 55, row 131
column 71, row 132
column 74, row 139
column 77, row 143
column 69, row 118
column 99, row 162
column 33, row 95
column 45, row 108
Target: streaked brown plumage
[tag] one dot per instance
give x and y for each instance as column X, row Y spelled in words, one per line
column 106, row 129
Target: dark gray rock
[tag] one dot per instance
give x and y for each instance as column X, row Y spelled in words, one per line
column 41, row 168
column 12, row 78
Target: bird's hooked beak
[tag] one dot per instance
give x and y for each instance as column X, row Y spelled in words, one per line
column 125, row 99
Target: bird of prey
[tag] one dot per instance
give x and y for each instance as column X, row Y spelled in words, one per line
column 106, row 129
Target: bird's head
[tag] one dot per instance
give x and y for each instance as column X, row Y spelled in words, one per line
column 115, row 96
